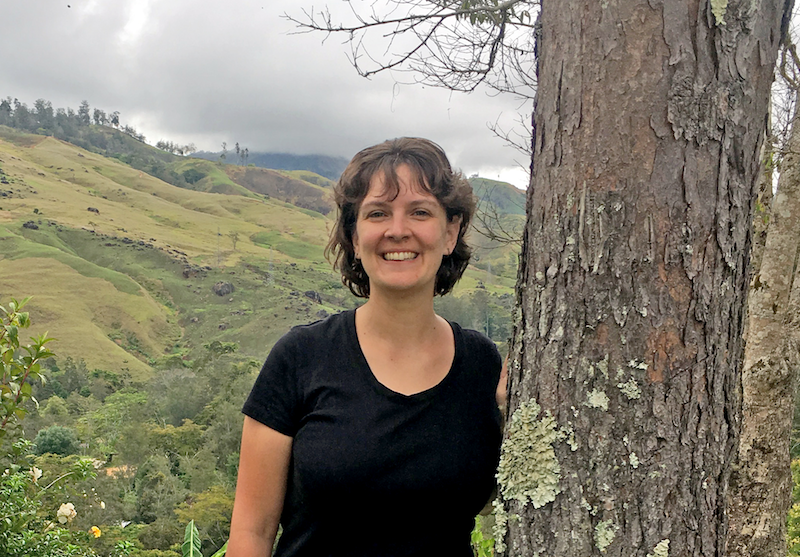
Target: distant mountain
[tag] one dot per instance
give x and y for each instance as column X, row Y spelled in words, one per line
column 505, row 197
column 329, row 167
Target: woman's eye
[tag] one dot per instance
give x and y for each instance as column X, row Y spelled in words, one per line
column 375, row 214
column 422, row 213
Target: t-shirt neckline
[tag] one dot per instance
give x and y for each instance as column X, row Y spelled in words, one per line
column 382, row 389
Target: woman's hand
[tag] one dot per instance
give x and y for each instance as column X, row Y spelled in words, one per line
column 501, row 395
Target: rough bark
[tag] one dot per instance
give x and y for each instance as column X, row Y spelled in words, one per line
column 761, row 480
column 625, row 388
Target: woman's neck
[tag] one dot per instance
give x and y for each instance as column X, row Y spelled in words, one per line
column 398, row 319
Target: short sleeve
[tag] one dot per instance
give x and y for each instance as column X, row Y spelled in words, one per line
column 275, row 398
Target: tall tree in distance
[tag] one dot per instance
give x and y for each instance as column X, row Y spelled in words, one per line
column 84, row 113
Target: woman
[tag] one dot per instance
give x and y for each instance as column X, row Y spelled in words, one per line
column 376, row 432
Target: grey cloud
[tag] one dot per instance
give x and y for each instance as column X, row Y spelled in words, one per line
column 209, row 72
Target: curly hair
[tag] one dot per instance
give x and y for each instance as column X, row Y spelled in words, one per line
column 428, row 163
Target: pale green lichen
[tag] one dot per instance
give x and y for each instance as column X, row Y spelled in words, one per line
column 718, row 8
column 630, row 389
column 567, row 433
column 500, row 526
column 634, row 460
column 528, row 471
column 660, row 550
column 638, row 365
column 602, row 365
column 604, row 534
column 597, row 399
column 620, row 374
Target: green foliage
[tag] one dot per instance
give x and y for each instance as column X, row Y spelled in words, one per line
column 793, row 519
column 482, row 543
column 18, row 371
column 481, row 310
column 163, row 533
column 158, row 489
column 30, row 522
column 211, row 511
column 57, row 440
column 192, row 175
column 191, row 541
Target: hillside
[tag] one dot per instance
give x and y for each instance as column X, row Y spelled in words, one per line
column 329, row 167
column 122, row 265
column 132, row 274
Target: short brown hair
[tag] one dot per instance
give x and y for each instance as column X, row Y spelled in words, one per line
column 434, row 174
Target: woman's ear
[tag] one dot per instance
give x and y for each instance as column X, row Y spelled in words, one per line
column 453, row 228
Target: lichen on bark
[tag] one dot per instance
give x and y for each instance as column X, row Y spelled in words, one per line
column 718, row 8
column 528, row 471
column 660, row 550
column 604, row 534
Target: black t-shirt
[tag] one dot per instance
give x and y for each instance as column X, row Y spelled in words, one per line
column 374, row 472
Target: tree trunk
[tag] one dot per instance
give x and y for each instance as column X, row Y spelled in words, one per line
column 625, row 387
column 761, row 481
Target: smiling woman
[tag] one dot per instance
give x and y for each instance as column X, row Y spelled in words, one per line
column 386, row 414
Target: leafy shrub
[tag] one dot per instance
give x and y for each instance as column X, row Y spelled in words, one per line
column 161, row 534
column 17, row 372
column 57, row 440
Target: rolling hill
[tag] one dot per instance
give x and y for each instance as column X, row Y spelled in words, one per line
column 132, row 274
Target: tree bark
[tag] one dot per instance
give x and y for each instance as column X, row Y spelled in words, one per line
column 761, row 482
column 625, row 390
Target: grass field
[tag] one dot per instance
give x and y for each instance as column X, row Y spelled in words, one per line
column 122, row 266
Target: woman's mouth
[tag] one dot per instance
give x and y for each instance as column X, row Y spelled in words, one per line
column 399, row 255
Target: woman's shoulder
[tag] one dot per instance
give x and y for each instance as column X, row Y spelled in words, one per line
column 472, row 336
column 475, row 343
column 332, row 327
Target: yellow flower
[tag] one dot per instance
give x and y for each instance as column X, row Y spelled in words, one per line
column 95, row 531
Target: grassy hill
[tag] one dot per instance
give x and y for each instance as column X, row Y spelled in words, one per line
column 132, row 274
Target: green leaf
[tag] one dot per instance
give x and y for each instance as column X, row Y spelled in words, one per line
column 23, row 319
column 221, row 551
column 13, row 335
column 191, row 541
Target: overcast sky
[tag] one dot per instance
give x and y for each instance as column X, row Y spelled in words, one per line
column 206, row 72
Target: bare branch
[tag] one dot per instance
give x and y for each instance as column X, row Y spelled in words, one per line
column 457, row 44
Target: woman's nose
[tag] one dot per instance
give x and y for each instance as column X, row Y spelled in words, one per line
column 398, row 227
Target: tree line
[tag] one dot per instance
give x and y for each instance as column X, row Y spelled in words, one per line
column 62, row 123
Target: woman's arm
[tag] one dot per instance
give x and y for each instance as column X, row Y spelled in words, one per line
column 260, row 490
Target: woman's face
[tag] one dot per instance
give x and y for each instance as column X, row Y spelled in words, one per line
column 401, row 241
